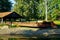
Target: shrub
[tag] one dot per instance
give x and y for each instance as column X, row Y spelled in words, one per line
column 2, row 25
column 13, row 25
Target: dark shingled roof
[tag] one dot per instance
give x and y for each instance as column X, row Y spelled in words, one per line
column 10, row 15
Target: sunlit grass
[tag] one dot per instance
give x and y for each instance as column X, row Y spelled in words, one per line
column 57, row 22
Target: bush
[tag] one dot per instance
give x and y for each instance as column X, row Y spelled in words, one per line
column 13, row 25
column 2, row 24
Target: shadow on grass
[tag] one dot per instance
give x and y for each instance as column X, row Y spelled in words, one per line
column 38, row 34
column 58, row 26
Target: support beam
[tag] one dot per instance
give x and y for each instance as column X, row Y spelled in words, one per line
column 1, row 20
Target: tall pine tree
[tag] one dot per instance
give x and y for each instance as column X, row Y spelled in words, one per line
column 5, row 5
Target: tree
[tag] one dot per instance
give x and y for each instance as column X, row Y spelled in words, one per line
column 35, row 9
column 41, row 9
column 5, row 5
column 27, row 8
column 52, row 9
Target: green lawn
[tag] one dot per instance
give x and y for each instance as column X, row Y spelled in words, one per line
column 57, row 22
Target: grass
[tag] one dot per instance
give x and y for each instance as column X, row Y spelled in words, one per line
column 2, row 25
column 57, row 22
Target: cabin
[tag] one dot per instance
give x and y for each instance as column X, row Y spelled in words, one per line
column 9, row 16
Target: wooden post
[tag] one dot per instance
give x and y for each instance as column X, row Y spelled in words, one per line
column 11, row 21
column 1, row 20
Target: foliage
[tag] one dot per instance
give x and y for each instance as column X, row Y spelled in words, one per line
column 35, row 9
column 13, row 25
column 2, row 25
column 5, row 5
column 27, row 8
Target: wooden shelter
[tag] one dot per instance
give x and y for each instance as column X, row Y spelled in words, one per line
column 9, row 15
